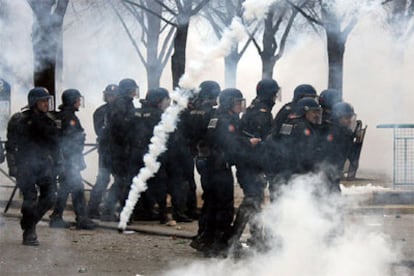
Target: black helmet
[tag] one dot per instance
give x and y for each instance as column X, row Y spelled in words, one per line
column 70, row 96
column 209, row 90
column 228, row 97
column 36, row 94
column 306, row 104
column 303, row 90
column 156, row 95
column 111, row 89
column 342, row 109
column 329, row 97
column 267, row 89
column 127, row 86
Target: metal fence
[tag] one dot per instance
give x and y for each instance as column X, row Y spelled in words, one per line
column 403, row 160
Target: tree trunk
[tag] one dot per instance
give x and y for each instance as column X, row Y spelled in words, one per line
column 46, row 40
column 178, row 58
column 336, row 50
column 231, row 62
column 153, row 33
column 268, row 65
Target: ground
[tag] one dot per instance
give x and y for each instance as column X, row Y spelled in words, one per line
column 151, row 249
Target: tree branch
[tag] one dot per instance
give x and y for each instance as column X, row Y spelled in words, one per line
column 134, row 43
column 304, row 14
column 199, row 7
column 151, row 12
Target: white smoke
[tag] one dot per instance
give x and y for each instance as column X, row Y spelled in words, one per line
column 256, row 9
column 310, row 236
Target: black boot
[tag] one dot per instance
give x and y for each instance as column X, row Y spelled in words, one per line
column 85, row 223
column 30, row 236
column 56, row 221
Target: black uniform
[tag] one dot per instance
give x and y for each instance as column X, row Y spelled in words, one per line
column 33, row 145
column 120, row 116
column 336, row 145
column 70, row 179
column 144, row 121
column 100, row 117
column 256, row 122
column 294, row 149
column 195, row 124
column 228, row 148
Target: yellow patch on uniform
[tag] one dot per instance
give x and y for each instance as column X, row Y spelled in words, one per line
column 231, row 128
column 72, row 122
column 307, row 132
column 330, row 138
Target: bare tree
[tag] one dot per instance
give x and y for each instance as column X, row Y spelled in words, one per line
column 47, row 39
column 220, row 15
column 156, row 37
column 323, row 13
column 180, row 12
column 400, row 18
column 277, row 26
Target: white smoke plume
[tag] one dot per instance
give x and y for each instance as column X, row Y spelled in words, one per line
column 189, row 80
column 310, row 235
column 256, row 9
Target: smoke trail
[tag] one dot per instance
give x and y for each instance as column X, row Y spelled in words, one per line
column 309, row 237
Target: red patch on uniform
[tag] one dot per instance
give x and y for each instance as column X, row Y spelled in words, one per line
column 307, row 132
column 330, row 138
column 231, row 128
column 72, row 122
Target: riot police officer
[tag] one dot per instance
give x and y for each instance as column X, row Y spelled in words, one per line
column 70, row 180
column 301, row 91
column 143, row 123
column 337, row 143
column 202, row 108
column 227, row 148
column 295, row 148
column 327, row 99
column 100, row 123
column 256, row 122
column 120, row 117
column 32, row 142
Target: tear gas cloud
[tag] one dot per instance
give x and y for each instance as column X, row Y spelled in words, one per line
column 309, row 236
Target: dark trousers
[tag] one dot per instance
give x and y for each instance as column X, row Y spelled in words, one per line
column 70, row 182
column 219, row 204
column 118, row 192
column 35, row 205
column 253, row 184
column 98, row 190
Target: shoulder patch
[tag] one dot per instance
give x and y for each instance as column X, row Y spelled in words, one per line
column 213, row 123
column 231, row 128
column 307, row 132
column 286, row 129
column 330, row 137
column 72, row 122
column 264, row 110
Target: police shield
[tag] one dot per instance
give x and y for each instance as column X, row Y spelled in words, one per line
column 4, row 105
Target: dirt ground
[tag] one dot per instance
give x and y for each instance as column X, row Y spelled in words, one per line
column 97, row 252
column 106, row 252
